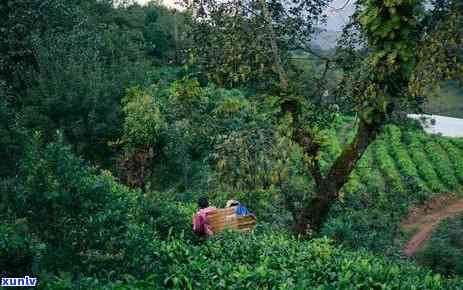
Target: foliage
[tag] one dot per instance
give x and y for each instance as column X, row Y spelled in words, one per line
column 101, row 80
column 164, row 32
column 67, row 209
column 11, row 138
column 272, row 262
column 144, row 122
column 384, row 186
column 454, row 156
column 425, row 167
column 392, row 32
column 18, row 253
column 67, row 65
column 444, row 251
column 84, row 100
column 440, row 58
column 231, row 40
column 182, row 128
column 166, row 216
column 119, row 239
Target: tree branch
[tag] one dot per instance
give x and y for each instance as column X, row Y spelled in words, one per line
column 315, row 171
column 304, row 47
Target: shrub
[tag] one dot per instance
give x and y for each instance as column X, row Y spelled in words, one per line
column 442, row 164
column 444, row 251
column 425, row 168
column 405, row 164
column 69, row 207
column 19, row 252
column 388, row 169
column 454, row 154
column 164, row 216
column 267, row 261
column 371, row 229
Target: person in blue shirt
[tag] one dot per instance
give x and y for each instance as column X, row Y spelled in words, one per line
column 241, row 210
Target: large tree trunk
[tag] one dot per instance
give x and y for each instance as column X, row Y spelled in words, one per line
column 314, row 213
column 313, row 216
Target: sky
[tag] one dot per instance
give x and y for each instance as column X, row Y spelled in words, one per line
column 338, row 12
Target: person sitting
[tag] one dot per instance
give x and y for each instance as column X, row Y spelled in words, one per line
column 241, row 210
column 200, row 223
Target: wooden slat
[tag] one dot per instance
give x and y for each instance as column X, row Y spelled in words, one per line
column 228, row 210
column 234, row 223
column 226, row 218
column 250, row 223
column 221, row 217
column 246, row 218
column 221, row 212
column 225, row 224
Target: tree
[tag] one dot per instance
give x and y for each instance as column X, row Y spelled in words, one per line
column 392, row 30
column 142, row 137
column 66, row 64
column 234, row 43
column 440, row 56
column 164, row 31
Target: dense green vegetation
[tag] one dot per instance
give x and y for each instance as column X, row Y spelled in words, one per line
column 116, row 117
column 145, row 241
column 444, row 252
column 395, row 173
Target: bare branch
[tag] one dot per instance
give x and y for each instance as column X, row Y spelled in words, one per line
column 342, row 7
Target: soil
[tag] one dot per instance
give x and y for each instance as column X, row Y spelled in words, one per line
column 425, row 218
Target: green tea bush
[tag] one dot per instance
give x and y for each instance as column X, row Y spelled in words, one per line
column 265, row 261
column 354, row 185
column 444, row 251
column 164, row 216
column 375, row 186
column 392, row 175
column 425, row 168
column 387, row 166
column 455, row 156
column 369, row 174
column 398, row 151
column 458, row 143
column 61, row 215
column 441, row 163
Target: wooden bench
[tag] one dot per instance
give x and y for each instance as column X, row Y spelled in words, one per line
column 223, row 218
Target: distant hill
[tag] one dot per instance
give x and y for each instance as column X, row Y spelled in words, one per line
column 447, row 101
column 326, row 39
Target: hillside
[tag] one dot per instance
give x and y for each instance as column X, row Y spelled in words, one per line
column 401, row 168
column 447, row 101
column 325, row 39
column 212, row 147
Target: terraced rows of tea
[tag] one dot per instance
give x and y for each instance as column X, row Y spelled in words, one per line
column 401, row 169
column 402, row 161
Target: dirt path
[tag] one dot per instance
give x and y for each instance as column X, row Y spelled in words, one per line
column 427, row 217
